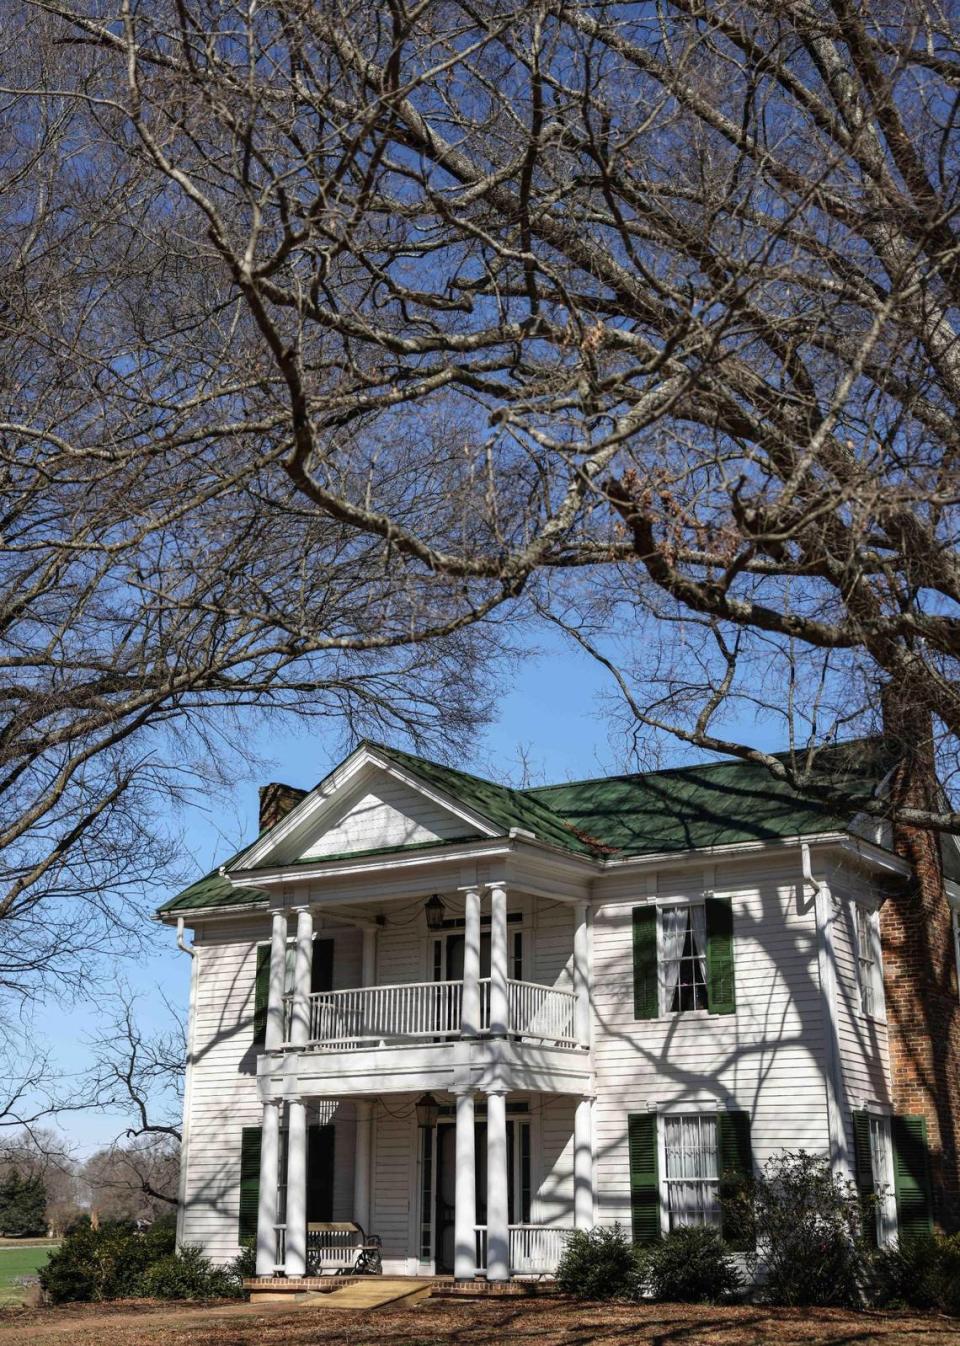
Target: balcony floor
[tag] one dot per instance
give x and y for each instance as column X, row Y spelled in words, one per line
column 417, row 1067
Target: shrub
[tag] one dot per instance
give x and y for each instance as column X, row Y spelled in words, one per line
column 117, row 1262
column 809, row 1246
column 920, row 1273
column 96, row 1264
column 690, row 1266
column 244, row 1265
column 187, row 1274
column 598, row 1264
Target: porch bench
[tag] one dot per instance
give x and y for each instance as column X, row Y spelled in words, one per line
column 340, row 1247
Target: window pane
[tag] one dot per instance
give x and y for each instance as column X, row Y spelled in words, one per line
column 683, row 958
column 865, row 963
column 690, row 1146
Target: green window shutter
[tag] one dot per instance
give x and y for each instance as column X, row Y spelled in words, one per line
column 644, row 1177
column 720, row 986
column 321, row 972
column 261, row 991
column 735, row 1164
column 249, row 1184
column 319, row 1173
column 645, row 989
column 863, row 1174
column 911, row 1176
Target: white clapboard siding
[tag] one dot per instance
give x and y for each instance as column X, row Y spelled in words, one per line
column 766, row 1059
column 552, row 1198
column 551, row 958
column 862, row 1041
column 395, row 1166
column 384, row 813
column 223, row 1085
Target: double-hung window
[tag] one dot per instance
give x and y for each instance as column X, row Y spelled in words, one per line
column 869, row 975
column 691, row 1171
column 683, row 958
column 875, row 1173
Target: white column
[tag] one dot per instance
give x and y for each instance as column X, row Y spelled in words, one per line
column 302, row 971
column 498, row 1228
column 583, row 1202
column 368, row 966
column 498, row 961
column 269, row 1180
column 273, row 1038
column 465, row 1192
column 581, row 973
column 361, row 1166
column 470, row 1005
column 295, row 1263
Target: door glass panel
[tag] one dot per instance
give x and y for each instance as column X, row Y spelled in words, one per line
column 455, row 956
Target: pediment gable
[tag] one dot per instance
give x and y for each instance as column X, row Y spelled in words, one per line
column 383, row 815
column 366, row 804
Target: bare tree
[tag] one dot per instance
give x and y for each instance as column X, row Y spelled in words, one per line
column 40, row 1152
column 133, row 1181
column 161, row 579
column 646, row 313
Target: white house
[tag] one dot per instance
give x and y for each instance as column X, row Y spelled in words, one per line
column 471, row 1019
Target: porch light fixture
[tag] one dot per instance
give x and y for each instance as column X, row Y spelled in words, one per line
column 428, row 1110
column 434, row 910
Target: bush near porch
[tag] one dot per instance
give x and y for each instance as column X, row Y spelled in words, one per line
column 116, row 1261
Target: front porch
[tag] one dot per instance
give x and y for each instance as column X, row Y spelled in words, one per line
column 474, row 1185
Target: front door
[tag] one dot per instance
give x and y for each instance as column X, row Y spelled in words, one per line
column 455, row 956
column 518, row 1169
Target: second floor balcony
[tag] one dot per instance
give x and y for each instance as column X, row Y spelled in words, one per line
column 381, row 1016
column 449, row 1033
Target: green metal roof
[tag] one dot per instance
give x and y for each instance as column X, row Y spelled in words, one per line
column 499, row 804
column 686, row 808
column 715, row 804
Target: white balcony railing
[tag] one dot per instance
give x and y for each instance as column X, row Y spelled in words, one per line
column 369, row 1015
column 544, row 1012
column 535, row 1250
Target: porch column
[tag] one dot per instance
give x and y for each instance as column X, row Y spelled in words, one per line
column 273, row 1037
column 368, row 966
column 581, row 973
column 465, row 1191
column 269, row 1182
column 295, row 1262
column 583, row 1217
column 302, row 969
column 361, row 1165
column 498, row 961
column 470, row 1004
column 498, row 1227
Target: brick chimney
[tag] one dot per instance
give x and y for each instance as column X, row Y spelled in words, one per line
column 919, row 963
column 276, row 801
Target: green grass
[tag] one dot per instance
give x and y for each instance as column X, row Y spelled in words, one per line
column 16, row 1262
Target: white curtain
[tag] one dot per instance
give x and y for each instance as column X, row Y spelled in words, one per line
column 690, row 1145
column 674, row 932
column 698, row 925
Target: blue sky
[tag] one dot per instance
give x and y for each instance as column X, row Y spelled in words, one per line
column 551, row 707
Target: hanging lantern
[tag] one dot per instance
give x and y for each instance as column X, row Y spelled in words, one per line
column 434, row 911
column 428, row 1110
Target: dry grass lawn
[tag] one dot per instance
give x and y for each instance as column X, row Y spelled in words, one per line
column 540, row 1322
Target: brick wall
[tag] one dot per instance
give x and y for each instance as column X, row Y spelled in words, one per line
column 276, row 801
column 919, row 968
